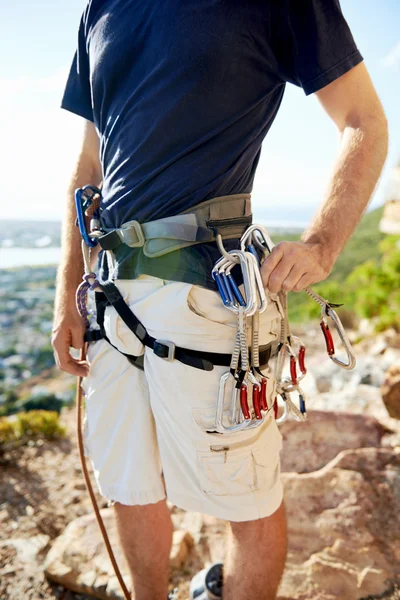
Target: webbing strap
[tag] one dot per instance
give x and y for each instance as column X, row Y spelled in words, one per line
column 101, row 305
column 164, row 349
column 228, row 215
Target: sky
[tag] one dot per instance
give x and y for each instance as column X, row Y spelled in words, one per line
column 39, row 141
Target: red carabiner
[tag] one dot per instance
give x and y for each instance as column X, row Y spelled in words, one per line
column 293, row 370
column 302, row 363
column 256, row 401
column 330, row 346
column 264, row 405
column 243, row 402
column 276, row 408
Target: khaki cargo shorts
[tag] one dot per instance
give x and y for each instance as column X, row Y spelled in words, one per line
column 146, row 432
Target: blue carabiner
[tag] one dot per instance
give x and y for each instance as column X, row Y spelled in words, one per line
column 250, row 248
column 227, row 287
column 221, row 288
column 235, row 290
column 82, row 203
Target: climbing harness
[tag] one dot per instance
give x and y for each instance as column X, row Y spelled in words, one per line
column 242, row 401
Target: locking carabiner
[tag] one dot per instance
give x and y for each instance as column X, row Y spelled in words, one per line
column 83, row 200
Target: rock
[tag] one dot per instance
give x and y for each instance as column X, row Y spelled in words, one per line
column 27, row 548
column 311, row 445
column 379, row 347
column 323, row 383
column 79, row 561
column 182, row 543
column 391, row 391
column 343, row 527
column 363, row 399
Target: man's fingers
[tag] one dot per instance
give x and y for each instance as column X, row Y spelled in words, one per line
column 61, row 344
column 71, row 365
column 293, row 278
column 270, row 263
column 303, row 282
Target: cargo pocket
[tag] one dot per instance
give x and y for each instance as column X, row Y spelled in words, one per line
column 207, row 306
column 242, row 467
column 120, row 335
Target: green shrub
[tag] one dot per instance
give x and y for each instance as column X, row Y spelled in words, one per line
column 32, row 425
column 46, row 402
column 371, row 290
column 39, row 423
column 7, row 431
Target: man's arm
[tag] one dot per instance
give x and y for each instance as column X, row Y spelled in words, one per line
column 352, row 103
column 68, row 327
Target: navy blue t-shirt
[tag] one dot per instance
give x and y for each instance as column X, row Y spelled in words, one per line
column 182, row 94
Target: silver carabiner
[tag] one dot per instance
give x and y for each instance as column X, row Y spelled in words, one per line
column 219, row 420
column 239, row 422
column 351, row 359
column 257, row 284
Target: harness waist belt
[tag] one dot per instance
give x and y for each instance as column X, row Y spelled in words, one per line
column 228, row 215
column 162, row 348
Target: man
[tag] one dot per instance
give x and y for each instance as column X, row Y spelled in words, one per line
column 177, row 98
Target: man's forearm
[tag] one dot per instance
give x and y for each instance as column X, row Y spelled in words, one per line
column 363, row 151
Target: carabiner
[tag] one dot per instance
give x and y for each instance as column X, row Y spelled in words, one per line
column 83, row 200
column 330, row 346
column 256, row 395
column 221, row 287
column 299, row 413
column 235, row 395
column 264, row 404
column 243, row 401
column 285, row 413
column 256, row 282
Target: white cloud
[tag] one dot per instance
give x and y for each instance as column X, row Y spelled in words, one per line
column 392, row 59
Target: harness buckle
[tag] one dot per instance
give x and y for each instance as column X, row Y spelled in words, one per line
column 159, row 348
column 131, row 234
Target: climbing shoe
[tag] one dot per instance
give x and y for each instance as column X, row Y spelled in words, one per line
column 207, row 585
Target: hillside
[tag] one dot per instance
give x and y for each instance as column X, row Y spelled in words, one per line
column 362, row 246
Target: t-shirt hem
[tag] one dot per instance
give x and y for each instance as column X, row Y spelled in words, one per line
column 78, row 110
column 333, row 73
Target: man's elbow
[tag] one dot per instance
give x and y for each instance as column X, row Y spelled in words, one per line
column 371, row 126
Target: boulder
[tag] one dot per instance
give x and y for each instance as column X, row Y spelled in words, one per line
column 343, row 527
column 311, row 445
column 79, row 561
column 363, row 399
column 391, row 390
column 27, row 549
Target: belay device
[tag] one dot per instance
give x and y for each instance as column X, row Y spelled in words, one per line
column 244, row 387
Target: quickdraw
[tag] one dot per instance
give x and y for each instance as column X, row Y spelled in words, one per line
column 248, row 380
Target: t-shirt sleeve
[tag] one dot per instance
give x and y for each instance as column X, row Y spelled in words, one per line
column 77, row 97
column 316, row 44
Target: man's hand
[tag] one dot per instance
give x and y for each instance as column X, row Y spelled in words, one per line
column 292, row 266
column 68, row 332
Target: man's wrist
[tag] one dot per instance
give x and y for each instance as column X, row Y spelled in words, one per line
column 326, row 255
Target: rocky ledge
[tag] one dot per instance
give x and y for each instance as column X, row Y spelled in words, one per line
column 342, row 490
